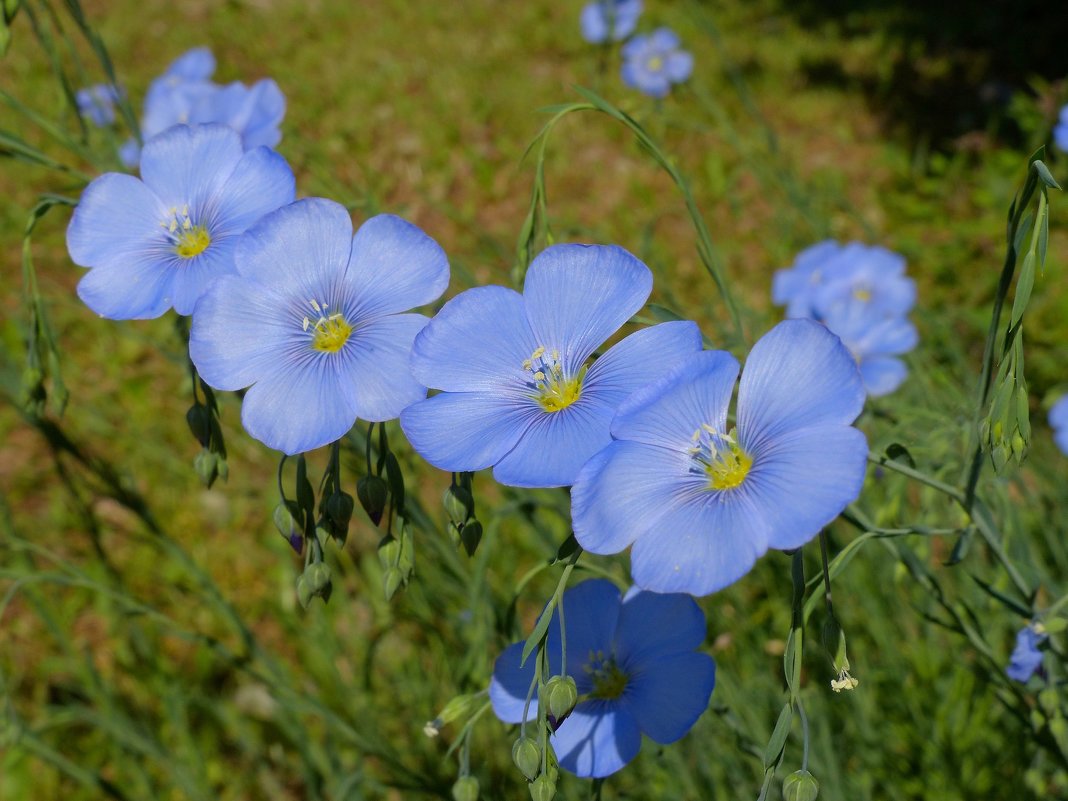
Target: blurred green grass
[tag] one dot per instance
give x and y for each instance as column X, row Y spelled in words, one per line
column 138, row 665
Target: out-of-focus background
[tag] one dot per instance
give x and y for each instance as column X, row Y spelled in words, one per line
column 170, row 659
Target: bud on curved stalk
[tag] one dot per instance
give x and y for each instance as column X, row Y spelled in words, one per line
column 562, row 695
column 527, row 757
column 373, row 493
column 465, row 789
column 542, row 788
column 800, row 786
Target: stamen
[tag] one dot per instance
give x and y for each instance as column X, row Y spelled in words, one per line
column 329, row 332
column 609, row 681
column 552, row 388
column 188, row 238
column 719, row 458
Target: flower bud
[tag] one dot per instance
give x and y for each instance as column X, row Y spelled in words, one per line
column 338, row 509
column 562, row 695
column 527, row 757
column 459, row 504
column 304, row 592
column 542, row 789
column 372, row 492
column 286, row 516
column 391, row 581
column 199, row 419
column 206, row 466
column 470, row 536
column 800, row 786
column 465, row 789
column 318, row 574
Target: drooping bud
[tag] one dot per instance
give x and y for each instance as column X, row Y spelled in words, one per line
column 800, row 786
column 542, row 788
column 373, row 493
column 459, row 504
column 465, row 789
column 313, row 582
column 206, row 466
column 199, row 419
column 338, row 511
column 527, row 757
column 391, row 581
column 286, row 516
column 562, row 695
column 471, row 536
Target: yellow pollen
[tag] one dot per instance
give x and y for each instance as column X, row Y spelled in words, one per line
column 608, row 680
column 192, row 241
column 861, row 294
column 719, row 457
column 329, row 332
column 552, row 388
column 655, row 64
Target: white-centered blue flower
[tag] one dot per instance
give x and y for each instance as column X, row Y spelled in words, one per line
column 157, row 242
column 313, row 324
column 635, row 667
column 699, row 500
column 652, row 63
column 518, row 392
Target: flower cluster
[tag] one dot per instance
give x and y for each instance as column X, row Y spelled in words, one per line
column 185, row 94
column 862, row 294
column 635, row 668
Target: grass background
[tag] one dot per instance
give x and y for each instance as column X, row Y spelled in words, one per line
column 171, row 660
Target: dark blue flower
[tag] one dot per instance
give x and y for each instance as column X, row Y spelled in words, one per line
column 609, row 20
column 1026, row 657
column 312, row 322
column 158, row 242
column 652, row 63
column 700, row 502
column 518, row 393
column 1058, row 421
column 636, row 669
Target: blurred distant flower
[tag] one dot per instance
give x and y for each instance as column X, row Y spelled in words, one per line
column 700, row 502
column 185, row 94
column 862, row 294
column 1060, row 130
column 312, row 322
column 97, row 103
column 159, row 241
column 652, row 63
column 636, row 669
column 609, row 20
column 1058, row 421
column 518, row 394
column 1026, row 657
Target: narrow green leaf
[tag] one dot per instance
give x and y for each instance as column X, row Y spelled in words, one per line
column 1024, row 285
column 540, row 628
column 1045, row 176
column 778, row 736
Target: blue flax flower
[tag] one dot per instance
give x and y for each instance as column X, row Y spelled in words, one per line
column 1026, row 657
column 185, row 94
column 157, row 242
column 636, row 669
column 1058, row 421
column 97, row 103
column 312, row 322
column 875, row 343
column 1060, row 130
column 653, row 62
column 609, row 20
column 518, row 393
column 700, row 502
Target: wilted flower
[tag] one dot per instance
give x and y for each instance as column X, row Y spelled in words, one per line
column 700, row 502
column 97, row 103
column 157, row 242
column 635, row 667
column 518, row 393
column 1058, row 421
column 185, row 94
column 1026, row 657
column 653, row 62
column 311, row 322
column 609, row 20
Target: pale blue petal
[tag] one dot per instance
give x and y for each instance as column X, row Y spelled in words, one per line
column 593, row 23
column 510, row 685
column 394, row 267
column 269, row 109
column 663, row 39
column 465, row 431
column 302, row 249
column 478, row 341
column 668, row 696
column 556, row 445
column 237, row 335
column 623, row 491
column 802, row 479
column 678, row 66
column 260, row 183
column 188, row 165
column 377, row 362
column 654, row 625
column 1058, row 413
column 137, row 290
column 579, row 295
column 192, row 277
column 301, row 405
column 702, row 546
column 1061, row 439
column 639, row 359
column 882, row 375
column 197, row 64
column 597, row 739
column 667, row 413
column 117, row 219
column 798, row 374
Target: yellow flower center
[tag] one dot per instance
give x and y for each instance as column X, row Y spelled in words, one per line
column 329, row 332
column 720, row 458
column 862, row 294
column 188, row 238
column 553, row 388
column 608, row 680
column 655, row 64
